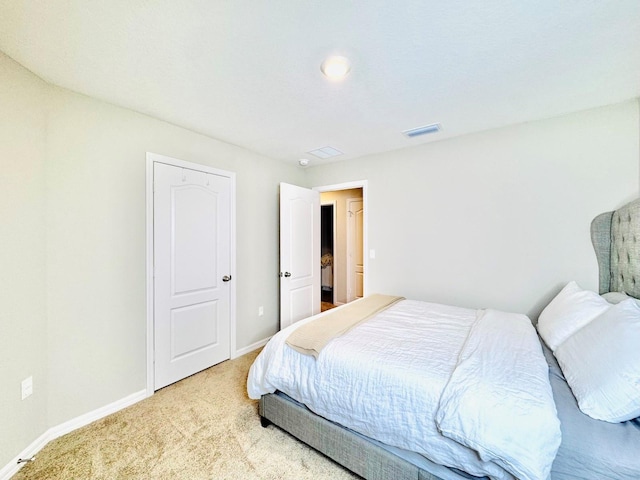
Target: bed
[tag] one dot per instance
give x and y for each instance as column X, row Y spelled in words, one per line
column 589, row 448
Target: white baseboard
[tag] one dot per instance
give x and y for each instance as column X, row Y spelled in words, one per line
column 250, row 348
column 12, row 467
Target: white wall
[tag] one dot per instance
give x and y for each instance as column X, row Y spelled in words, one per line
column 73, row 193
column 500, row 218
column 96, row 244
column 22, row 257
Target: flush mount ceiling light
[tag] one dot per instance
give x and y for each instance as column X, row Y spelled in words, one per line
column 303, row 162
column 336, row 67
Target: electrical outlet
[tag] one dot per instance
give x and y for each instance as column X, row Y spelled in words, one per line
column 260, row 311
column 27, row 387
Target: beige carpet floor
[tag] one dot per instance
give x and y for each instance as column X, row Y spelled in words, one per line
column 203, row 427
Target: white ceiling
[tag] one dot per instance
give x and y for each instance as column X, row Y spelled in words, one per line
column 248, row 72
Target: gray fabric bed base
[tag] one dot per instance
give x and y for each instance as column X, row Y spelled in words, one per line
column 343, row 446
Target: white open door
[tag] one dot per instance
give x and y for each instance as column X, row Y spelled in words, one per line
column 299, row 253
column 192, row 242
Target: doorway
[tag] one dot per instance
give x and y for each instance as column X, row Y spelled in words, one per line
column 342, row 244
column 300, row 238
column 327, row 253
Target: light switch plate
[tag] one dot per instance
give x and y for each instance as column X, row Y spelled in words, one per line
column 27, row 387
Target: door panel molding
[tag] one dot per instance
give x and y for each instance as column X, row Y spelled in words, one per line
column 151, row 159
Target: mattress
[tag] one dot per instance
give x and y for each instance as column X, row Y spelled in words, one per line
column 395, row 400
column 363, row 455
column 590, row 449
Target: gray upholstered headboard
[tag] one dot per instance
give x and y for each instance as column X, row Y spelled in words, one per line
column 616, row 240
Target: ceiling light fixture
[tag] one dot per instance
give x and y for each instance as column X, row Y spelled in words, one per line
column 303, row 162
column 336, row 67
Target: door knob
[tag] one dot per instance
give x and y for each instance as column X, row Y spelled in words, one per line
column 285, row 274
column 226, row 278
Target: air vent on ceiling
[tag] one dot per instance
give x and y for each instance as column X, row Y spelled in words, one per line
column 424, row 130
column 325, row 152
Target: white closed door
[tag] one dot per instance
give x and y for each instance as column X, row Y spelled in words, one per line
column 355, row 247
column 191, row 271
column 299, row 253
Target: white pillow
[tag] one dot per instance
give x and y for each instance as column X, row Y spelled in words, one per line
column 601, row 363
column 615, row 297
column 568, row 312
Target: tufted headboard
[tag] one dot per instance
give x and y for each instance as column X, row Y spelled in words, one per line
column 616, row 240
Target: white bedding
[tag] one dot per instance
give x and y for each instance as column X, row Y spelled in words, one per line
column 385, row 379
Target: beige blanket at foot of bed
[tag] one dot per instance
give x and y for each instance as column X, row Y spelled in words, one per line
column 311, row 338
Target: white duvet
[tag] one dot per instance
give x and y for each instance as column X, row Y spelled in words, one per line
column 467, row 389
